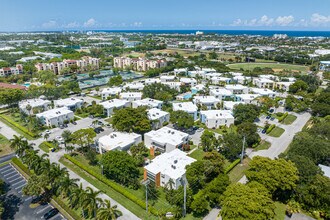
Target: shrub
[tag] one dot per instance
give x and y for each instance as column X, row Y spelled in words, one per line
column 120, row 189
column 20, row 165
column 279, row 114
column 280, row 119
column 232, row 165
column 13, row 123
column 270, row 129
column 66, row 208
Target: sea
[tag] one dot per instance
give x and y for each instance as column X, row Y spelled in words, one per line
column 290, row 33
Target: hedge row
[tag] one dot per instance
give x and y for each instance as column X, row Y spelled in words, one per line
column 120, row 189
column 20, row 127
column 232, row 165
column 270, row 129
column 280, row 119
column 18, row 163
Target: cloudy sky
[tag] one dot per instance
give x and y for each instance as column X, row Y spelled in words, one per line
column 30, row 15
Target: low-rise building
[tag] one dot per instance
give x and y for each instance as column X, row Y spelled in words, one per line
column 188, row 81
column 70, row 103
column 167, row 78
column 220, row 80
column 188, row 107
column 168, row 167
column 31, row 106
column 229, row 105
column 150, row 103
column 264, row 92
column 131, row 96
column 110, row 105
column 158, row 117
column 110, row 92
column 264, row 83
column 237, row 89
column 216, row 118
column 139, row 64
column 55, row 117
column 118, row 141
column 208, row 101
column 7, row 71
column 137, row 86
column 285, row 86
column 150, row 81
column 173, row 85
column 165, row 139
column 247, row 98
column 221, row 93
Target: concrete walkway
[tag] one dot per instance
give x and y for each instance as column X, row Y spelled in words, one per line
column 54, row 158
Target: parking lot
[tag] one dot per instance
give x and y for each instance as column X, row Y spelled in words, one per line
column 17, row 206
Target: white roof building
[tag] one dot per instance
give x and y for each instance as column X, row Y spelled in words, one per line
column 211, row 75
column 188, row 107
column 168, row 166
column 134, row 86
column 229, row 105
column 237, row 89
column 198, row 87
column 247, row 98
column 158, row 117
column 56, row 116
column 208, row 101
column 181, row 70
column 151, row 81
column 33, row 103
column 165, row 139
column 106, row 92
column 173, row 85
column 264, row 92
column 220, row 79
column 188, row 81
column 325, row 169
column 285, row 86
column 221, row 93
column 197, row 73
column 70, row 103
column 110, row 105
column 263, row 83
column 216, row 118
column 131, row 96
column 167, row 78
column 150, row 103
column 118, row 141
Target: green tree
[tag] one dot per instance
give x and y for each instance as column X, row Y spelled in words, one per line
column 66, row 135
column 91, row 201
column 182, row 119
column 159, row 91
column 298, row 86
column 108, row 212
column 120, row 167
column 231, row 145
column 208, row 140
column 245, row 113
column 241, row 202
column 195, row 175
column 115, row 80
column 66, row 186
column 249, row 131
column 83, row 137
column 200, row 204
column 216, row 188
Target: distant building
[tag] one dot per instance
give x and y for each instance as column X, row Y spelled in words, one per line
column 168, row 167
column 118, row 141
column 264, row 83
column 39, row 105
column 208, row 101
column 247, row 98
column 7, row 71
column 137, row 86
column 150, row 103
column 199, row 32
column 188, row 81
column 230, row 105
column 70, row 103
column 221, row 93
column 55, row 117
column 324, row 65
column 131, row 96
column 158, row 117
column 285, row 86
column 110, row 92
column 188, row 107
column 12, row 86
column 138, row 64
column 216, row 118
column 110, row 105
column 237, row 89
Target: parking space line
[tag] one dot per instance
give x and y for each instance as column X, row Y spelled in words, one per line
column 10, row 170
column 18, row 182
column 27, row 199
column 5, row 175
column 21, row 186
column 38, row 212
column 4, row 167
column 13, row 176
column 14, row 180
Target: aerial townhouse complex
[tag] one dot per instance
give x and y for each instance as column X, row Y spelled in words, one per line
column 138, row 64
column 7, row 71
column 57, row 67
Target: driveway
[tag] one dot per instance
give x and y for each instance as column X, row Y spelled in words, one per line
column 16, row 204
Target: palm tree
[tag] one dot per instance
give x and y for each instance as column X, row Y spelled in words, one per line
column 16, row 142
column 66, row 186
column 55, row 173
column 66, row 135
column 46, row 136
column 77, row 196
column 108, row 212
column 91, row 201
column 44, row 167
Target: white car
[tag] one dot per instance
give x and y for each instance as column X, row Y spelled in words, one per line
column 47, row 132
column 59, row 138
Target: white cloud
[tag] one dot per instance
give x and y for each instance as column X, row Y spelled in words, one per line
column 318, row 19
column 73, row 24
column 284, row 20
column 265, row 21
column 90, row 23
column 50, row 24
column 137, row 24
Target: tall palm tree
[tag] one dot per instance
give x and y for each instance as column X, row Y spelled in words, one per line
column 108, row 212
column 46, row 136
column 66, row 186
column 66, row 135
column 91, row 201
column 55, row 173
column 16, row 141
column 44, row 167
column 77, row 196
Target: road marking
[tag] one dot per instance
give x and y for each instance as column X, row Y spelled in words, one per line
column 13, row 176
column 10, row 170
column 21, row 186
column 27, row 199
column 8, row 174
column 38, row 212
column 14, row 180
column 18, row 182
column 4, row 168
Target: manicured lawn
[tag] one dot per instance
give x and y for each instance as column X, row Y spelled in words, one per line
column 279, row 211
column 264, row 145
column 289, row 119
column 277, row 67
column 4, row 146
column 276, row 132
column 225, row 130
column 197, row 154
column 238, row 172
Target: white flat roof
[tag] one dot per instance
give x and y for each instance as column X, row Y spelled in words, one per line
column 265, row 80
column 221, row 91
column 262, row 91
column 231, row 104
column 33, row 103
column 188, row 80
column 166, row 135
column 206, row 99
column 217, row 114
column 67, row 102
column 325, row 169
column 136, row 85
column 148, row 102
column 184, row 106
column 54, row 113
column 248, row 96
column 113, row 90
column 155, row 113
column 152, row 80
column 172, row 164
column 235, row 87
column 125, row 95
column 117, row 140
column 114, row 103
column 198, row 87
column 168, row 77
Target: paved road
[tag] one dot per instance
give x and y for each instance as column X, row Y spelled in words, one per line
column 7, row 157
column 16, row 204
column 55, row 156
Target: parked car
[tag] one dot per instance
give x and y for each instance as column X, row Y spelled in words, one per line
column 98, row 130
column 74, row 123
column 268, row 117
column 51, row 213
column 47, row 132
column 61, row 126
column 272, row 118
column 263, row 131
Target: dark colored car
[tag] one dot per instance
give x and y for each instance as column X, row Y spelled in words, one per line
column 272, row 118
column 268, row 117
column 98, row 130
column 62, row 126
column 51, row 213
column 74, row 123
column 263, row 131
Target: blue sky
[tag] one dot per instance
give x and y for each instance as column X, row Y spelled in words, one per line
column 24, row 15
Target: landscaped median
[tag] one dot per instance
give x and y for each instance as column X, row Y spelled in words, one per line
column 17, row 127
column 119, row 193
column 46, row 146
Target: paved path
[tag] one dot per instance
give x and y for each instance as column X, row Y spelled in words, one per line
column 55, row 156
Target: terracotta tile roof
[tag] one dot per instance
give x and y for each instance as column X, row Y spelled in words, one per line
column 11, row 86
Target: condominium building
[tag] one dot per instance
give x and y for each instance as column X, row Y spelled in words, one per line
column 165, row 139
column 168, row 167
column 230, row 105
column 151, row 81
column 110, row 92
column 158, row 117
column 173, row 85
column 221, row 93
column 285, row 86
column 208, row 101
column 34, row 105
column 167, row 78
column 110, row 105
column 131, row 96
column 247, row 98
column 55, row 117
column 150, row 103
column 117, row 141
column 138, row 64
column 188, row 107
column 264, row 83
column 237, row 89
column 188, row 81
column 264, row 92
column 7, row 71
column 70, row 103
column 216, row 118
column 137, row 86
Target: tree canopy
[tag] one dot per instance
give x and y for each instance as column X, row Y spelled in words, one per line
column 159, row 91
column 182, row 119
column 115, row 80
column 245, row 113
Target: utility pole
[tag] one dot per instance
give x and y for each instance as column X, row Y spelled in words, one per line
column 242, row 154
column 183, row 182
column 146, row 182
